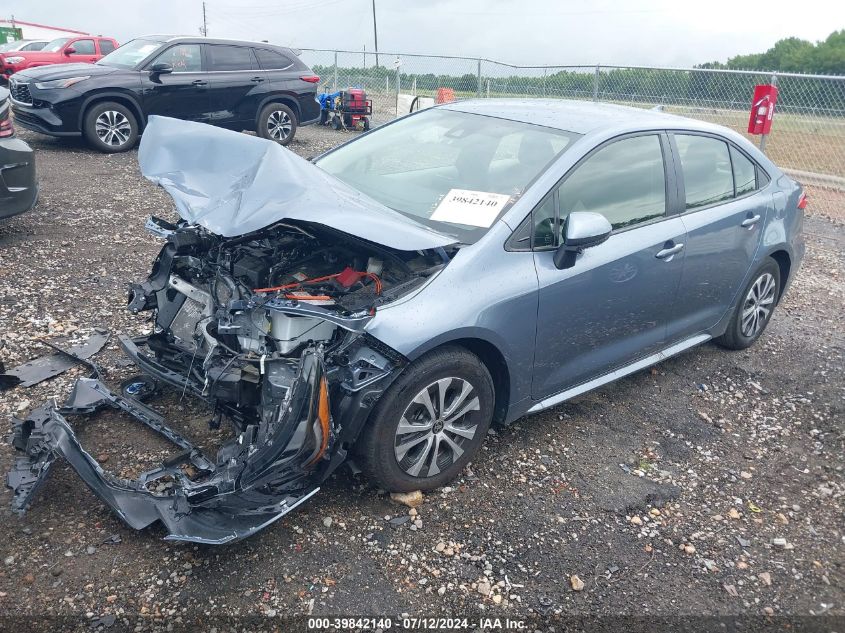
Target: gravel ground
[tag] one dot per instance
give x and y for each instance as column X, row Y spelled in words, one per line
column 711, row 485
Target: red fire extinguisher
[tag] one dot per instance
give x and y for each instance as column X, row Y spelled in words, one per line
column 762, row 111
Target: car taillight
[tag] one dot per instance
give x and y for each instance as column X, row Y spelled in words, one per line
column 6, row 128
column 802, row 201
column 311, row 79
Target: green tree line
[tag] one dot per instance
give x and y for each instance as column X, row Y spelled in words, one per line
column 794, row 55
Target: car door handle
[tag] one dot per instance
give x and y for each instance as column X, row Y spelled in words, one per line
column 749, row 222
column 667, row 253
column 199, row 82
column 257, row 80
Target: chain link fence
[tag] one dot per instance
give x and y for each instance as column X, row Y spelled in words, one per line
column 807, row 138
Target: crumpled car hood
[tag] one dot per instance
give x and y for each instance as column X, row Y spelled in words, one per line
column 233, row 184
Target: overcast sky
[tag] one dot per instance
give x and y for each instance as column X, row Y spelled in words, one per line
column 641, row 32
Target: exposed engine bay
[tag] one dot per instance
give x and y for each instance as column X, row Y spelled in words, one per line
column 235, row 315
column 269, row 329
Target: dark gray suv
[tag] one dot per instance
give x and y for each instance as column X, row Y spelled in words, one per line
column 18, row 186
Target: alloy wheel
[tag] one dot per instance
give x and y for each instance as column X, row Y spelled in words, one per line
column 436, row 427
column 279, row 125
column 113, row 128
column 758, row 305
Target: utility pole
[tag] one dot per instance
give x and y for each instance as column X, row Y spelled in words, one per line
column 204, row 22
column 375, row 31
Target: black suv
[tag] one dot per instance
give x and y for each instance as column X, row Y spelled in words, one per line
column 236, row 85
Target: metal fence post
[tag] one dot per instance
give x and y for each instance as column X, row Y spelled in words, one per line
column 478, row 80
column 398, row 85
column 596, row 83
column 763, row 137
column 335, row 71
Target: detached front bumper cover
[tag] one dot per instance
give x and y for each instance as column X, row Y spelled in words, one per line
column 255, row 480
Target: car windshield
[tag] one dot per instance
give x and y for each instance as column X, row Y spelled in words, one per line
column 452, row 171
column 54, row 46
column 130, row 54
column 11, row 46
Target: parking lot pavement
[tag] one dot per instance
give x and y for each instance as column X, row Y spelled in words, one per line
column 710, row 484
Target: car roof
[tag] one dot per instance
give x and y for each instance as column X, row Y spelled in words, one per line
column 194, row 39
column 580, row 117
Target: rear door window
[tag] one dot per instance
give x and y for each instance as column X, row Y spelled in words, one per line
column 706, row 164
column 229, row 58
column 83, row 47
column 106, row 47
column 271, row 60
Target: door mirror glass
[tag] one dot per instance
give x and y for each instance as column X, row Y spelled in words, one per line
column 70, row 50
column 584, row 229
column 161, row 68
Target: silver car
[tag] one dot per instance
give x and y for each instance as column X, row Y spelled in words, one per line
column 461, row 266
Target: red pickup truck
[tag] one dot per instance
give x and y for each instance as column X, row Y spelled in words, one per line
column 63, row 50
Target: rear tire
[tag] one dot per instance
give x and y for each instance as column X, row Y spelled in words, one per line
column 276, row 122
column 754, row 309
column 110, row 127
column 449, row 395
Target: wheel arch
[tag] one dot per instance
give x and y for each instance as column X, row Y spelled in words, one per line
column 284, row 99
column 492, row 357
column 784, row 262
column 117, row 97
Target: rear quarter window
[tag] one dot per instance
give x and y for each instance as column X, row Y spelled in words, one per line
column 272, row 60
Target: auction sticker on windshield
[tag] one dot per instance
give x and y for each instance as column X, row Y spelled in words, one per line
column 472, row 208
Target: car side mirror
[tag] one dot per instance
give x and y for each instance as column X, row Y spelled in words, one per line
column 584, row 229
column 70, row 50
column 162, row 68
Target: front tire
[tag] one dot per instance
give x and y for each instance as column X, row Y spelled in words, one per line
column 754, row 310
column 277, row 122
column 110, row 127
column 430, row 423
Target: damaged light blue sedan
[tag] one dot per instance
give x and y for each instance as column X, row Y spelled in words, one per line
column 464, row 265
